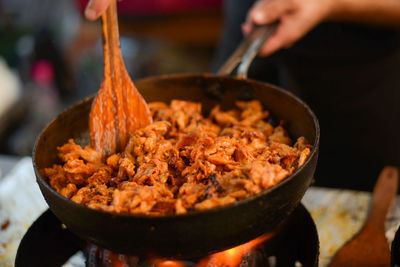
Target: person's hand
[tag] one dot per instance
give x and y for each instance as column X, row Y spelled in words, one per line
column 297, row 18
column 95, row 8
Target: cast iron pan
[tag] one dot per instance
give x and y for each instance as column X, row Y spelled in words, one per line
column 196, row 233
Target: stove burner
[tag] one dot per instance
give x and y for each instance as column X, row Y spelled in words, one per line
column 47, row 243
column 250, row 254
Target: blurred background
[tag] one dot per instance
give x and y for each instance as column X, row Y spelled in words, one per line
column 51, row 57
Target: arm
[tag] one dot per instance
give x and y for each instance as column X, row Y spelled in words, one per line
column 298, row 17
column 373, row 12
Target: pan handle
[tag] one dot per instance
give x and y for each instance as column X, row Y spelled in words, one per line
column 247, row 50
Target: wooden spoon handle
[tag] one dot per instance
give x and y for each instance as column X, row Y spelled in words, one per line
column 384, row 192
column 118, row 109
column 111, row 45
column 115, row 79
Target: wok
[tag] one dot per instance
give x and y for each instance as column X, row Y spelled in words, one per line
column 196, row 233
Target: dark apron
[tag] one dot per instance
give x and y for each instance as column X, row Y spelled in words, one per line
column 350, row 76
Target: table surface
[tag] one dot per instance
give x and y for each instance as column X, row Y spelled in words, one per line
column 338, row 214
column 7, row 163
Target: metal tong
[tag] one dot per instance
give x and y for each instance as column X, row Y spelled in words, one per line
column 248, row 50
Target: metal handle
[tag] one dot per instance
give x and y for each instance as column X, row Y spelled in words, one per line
column 248, row 50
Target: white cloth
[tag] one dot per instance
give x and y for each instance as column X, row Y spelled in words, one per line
column 21, row 203
column 10, row 89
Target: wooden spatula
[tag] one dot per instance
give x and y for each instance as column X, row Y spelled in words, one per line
column 370, row 247
column 118, row 108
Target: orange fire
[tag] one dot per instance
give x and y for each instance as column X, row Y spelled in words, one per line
column 228, row 258
column 232, row 257
column 168, row 263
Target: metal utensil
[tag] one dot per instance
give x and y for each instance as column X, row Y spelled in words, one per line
column 248, row 50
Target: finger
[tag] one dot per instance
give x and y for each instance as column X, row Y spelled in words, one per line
column 285, row 36
column 95, row 8
column 271, row 46
column 246, row 28
column 268, row 12
column 247, row 25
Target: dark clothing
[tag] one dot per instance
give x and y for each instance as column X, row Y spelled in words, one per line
column 350, row 76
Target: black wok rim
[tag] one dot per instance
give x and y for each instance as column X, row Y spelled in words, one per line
column 314, row 150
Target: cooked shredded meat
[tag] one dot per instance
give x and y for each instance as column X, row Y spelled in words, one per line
column 182, row 162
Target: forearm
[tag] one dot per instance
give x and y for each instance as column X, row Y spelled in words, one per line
column 372, row 12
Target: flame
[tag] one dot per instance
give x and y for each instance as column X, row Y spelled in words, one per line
column 228, row 258
column 232, row 257
column 168, row 263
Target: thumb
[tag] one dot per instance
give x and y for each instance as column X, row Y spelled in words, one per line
column 269, row 11
column 95, row 8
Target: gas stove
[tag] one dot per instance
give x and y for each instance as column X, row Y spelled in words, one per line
column 49, row 243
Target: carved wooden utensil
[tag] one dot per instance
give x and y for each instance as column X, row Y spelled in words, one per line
column 118, row 108
column 370, row 247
